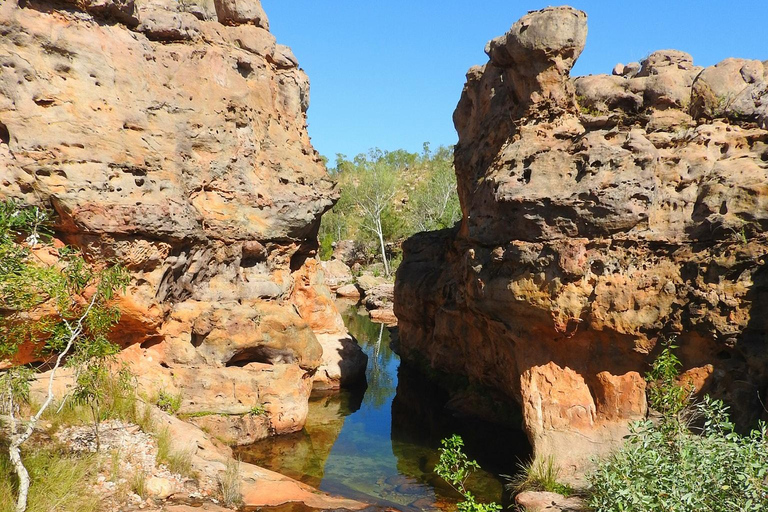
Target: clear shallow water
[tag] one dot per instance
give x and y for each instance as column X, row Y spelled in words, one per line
column 379, row 444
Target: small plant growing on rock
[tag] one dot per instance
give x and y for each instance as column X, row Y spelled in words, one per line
column 168, row 402
column 455, row 468
column 229, row 484
column 257, row 410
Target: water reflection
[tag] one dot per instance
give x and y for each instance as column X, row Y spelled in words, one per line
column 372, row 445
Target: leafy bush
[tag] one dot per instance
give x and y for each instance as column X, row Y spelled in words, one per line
column 455, row 467
column 668, row 466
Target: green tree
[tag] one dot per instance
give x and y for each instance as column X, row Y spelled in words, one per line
column 386, row 196
column 63, row 308
column 372, row 193
column 434, row 203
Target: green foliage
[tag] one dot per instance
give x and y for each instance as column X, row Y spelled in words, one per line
column 390, row 195
column 168, row 402
column 455, row 467
column 107, row 393
column 665, row 466
column 60, row 482
column 257, row 410
column 538, row 475
column 664, row 393
column 63, row 309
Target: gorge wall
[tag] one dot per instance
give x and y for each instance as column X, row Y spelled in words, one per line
column 170, row 136
column 601, row 215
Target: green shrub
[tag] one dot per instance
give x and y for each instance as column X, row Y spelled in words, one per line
column 668, row 466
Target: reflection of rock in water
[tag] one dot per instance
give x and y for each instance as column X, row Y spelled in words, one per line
column 303, row 455
column 422, row 416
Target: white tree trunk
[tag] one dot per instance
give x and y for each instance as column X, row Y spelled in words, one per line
column 380, row 233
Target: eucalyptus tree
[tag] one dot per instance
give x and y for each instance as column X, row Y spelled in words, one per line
column 64, row 309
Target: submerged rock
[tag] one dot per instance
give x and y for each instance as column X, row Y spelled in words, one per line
column 601, row 215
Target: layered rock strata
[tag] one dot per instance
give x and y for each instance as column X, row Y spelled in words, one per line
column 171, row 137
column 601, row 216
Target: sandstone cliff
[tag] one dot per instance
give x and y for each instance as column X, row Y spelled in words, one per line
column 171, row 137
column 601, row 215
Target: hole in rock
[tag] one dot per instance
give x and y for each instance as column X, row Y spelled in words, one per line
column 44, row 102
column 151, row 342
column 723, row 208
column 527, row 175
column 197, row 339
column 598, row 267
column 244, row 68
column 5, row 135
column 266, row 355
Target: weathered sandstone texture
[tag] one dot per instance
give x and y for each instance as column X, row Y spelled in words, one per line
column 601, row 215
column 171, row 137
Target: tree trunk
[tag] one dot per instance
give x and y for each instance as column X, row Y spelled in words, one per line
column 379, row 231
column 15, row 453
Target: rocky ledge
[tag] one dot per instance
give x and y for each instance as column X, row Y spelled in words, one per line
column 601, row 216
column 171, row 137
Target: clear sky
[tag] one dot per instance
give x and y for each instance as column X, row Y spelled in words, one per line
column 388, row 74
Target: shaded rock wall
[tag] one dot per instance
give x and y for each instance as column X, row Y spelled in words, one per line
column 601, row 215
column 171, row 137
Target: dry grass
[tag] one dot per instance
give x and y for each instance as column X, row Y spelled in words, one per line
column 60, row 482
column 229, row 484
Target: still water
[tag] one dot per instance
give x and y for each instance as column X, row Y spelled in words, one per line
column 379, row 443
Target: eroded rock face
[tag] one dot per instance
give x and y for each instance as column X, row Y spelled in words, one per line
column 171, row 137
column 601, row 215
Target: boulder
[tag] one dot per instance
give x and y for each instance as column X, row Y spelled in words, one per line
column 236, row 12
column 541, row 501
column 735, row 89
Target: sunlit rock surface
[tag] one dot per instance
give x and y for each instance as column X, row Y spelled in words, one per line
column 171, row 137
column 601, row 215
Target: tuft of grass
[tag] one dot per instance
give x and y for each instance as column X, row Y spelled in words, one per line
column 229, row 484
column 538, row 475
column 177, row 461
column 60, row 482
column 139, row 484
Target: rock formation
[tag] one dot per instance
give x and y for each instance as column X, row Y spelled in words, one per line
column 601, row 216
column 171, row 137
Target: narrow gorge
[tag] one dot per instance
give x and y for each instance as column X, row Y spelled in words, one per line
column 603, row 218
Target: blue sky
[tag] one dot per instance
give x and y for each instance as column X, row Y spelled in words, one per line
column 388, row 74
